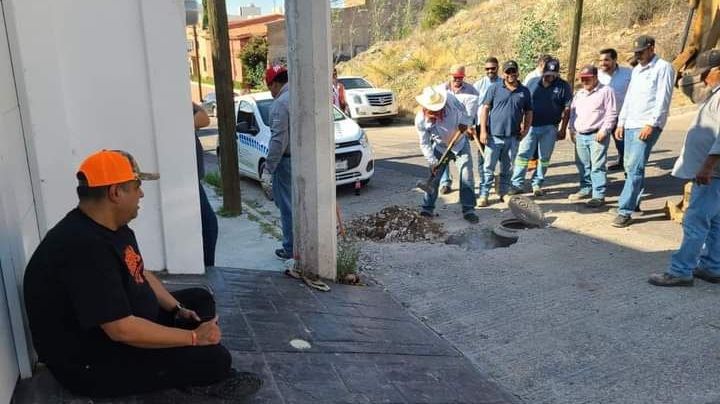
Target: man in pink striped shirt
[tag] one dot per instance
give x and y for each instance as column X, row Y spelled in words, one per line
column 592, row 118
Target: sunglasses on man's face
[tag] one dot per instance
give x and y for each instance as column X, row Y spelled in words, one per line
column 490, row 68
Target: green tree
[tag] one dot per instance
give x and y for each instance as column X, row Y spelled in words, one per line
column 437, row 12
column 254, row 59
column 536, row 36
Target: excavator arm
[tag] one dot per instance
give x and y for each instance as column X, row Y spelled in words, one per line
column 702, row 33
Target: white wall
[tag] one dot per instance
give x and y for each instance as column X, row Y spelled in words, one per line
column 96, row 74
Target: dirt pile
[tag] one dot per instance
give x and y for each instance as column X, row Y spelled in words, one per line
column 395, row 224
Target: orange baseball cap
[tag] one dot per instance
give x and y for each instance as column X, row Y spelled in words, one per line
column 107, row 167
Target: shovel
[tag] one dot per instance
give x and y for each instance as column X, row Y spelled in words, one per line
column 426, row 185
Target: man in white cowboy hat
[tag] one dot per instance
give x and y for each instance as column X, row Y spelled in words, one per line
column 438, row 120
column 468, row 96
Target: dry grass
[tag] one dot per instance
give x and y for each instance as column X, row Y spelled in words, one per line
column 490, row 28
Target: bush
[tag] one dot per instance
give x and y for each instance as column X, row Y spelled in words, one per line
column 254, row 59
column 348, row 255
column 437, row 12
column 536, row 36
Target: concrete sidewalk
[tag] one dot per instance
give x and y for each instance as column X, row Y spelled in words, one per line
column 362, row 347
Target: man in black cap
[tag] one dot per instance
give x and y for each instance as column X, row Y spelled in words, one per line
column 551, row 97
column 642, row 118
column 505, row 118
column 699, row 253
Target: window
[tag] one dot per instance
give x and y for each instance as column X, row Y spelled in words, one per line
column 204, row 64
column 353, row 83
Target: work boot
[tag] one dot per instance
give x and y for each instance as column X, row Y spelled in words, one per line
column 669, row 280
column 237, row 386
column 578, row 196
column 471, row 217
column 515, row 190
column 425, row 213
column 706, row 275
column 621, row 221
column 445, row 189
column 537, row 191
column 483, row 201
column 595, row 202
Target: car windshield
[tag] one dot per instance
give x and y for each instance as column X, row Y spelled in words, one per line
column 264, row 107
column 353, row 83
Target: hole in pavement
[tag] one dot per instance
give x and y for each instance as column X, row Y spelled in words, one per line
column 503, row 235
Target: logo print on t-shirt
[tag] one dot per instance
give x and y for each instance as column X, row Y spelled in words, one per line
column 134, row 264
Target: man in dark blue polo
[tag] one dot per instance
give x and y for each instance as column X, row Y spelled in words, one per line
column 551, row 97
column 505, row 119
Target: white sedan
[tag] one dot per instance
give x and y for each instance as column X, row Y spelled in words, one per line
column 354, row 158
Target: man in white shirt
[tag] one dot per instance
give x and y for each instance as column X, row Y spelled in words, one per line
column 699, row 253
column 618, row 78
column 642, row 118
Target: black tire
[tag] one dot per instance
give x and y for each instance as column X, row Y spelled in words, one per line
column 385, row 121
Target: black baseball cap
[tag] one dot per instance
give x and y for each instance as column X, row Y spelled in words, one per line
column 707, row 60
column 643, row 42
column 509, row 65
column 552, row 67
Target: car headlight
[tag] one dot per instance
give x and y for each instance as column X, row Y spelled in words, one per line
column 363, row 139
column 357, row 99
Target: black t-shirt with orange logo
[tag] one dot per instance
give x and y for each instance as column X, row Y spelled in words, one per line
column 83, row 275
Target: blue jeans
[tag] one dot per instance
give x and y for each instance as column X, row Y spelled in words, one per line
column 503, row 149
column 446, row 178
column 541, row 139
column 591, row 162
column 701, row 227
column 637, row 153
column 209, row 229
column 282, row 194
column 464, row 165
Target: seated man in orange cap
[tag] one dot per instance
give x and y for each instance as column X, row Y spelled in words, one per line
column 105, row 326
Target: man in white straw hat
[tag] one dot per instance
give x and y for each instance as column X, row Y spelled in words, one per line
column 441, row 116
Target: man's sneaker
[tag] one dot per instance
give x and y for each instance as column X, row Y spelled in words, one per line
column 282, row 254
column 483, row 201
column 616, row 167
column 425, row 213
column 578, row 196
column 537, row 191
column 669, row 280
column 237, row 386
column 706, row 275
column 515, row 191
column 471, row 217
column 621, row 221
column 445, row 189
column 595, row 202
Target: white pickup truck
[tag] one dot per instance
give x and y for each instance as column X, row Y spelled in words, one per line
column 365, row 102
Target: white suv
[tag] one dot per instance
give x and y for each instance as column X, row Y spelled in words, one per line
column 365, row 102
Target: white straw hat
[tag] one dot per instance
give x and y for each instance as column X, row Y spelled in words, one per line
column 432, row 99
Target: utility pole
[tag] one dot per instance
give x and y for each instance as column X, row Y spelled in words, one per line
column 311, row 136
column 197, row 62
column 222, row 72
column 575, row 42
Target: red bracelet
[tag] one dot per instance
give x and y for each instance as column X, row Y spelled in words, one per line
column 194, row 338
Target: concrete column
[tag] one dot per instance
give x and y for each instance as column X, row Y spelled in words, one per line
column 311, row 136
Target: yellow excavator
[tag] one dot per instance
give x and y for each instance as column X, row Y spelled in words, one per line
column 702, row 32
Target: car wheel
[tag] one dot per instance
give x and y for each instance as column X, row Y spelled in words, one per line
column 385, row 121
column 266, row 190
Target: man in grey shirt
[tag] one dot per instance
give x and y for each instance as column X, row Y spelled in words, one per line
column 610, row 73
column 699, row 253
column 278, row 164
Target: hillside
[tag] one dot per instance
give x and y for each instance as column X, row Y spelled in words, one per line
column 493, row 28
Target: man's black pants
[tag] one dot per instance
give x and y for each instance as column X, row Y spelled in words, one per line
column 125, row 370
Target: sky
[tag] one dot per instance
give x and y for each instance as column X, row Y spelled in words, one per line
column 265, row 5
